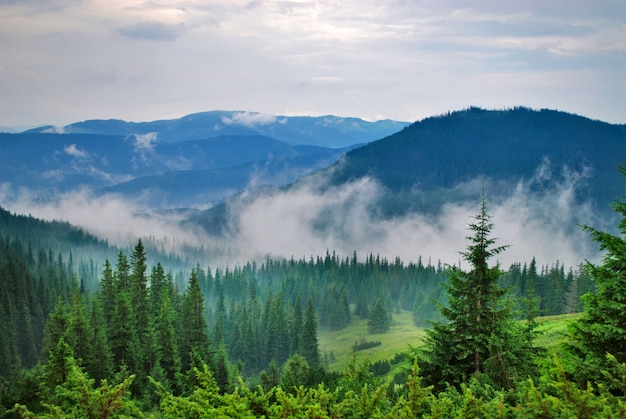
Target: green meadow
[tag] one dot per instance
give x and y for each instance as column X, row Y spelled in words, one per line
column 338, row 346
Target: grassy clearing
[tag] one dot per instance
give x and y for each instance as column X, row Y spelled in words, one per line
column 404, row 334
column 554, row 330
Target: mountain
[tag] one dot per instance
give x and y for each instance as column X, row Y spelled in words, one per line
column 327, row 131
column 441, row 152
column 455, row 157
column 186, row 188
column 48, row 164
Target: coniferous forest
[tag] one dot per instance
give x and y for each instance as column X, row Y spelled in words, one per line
column 244, row 341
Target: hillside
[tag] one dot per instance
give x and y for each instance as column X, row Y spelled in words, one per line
column 452, row 158
column 47, row 164
column 505, row 146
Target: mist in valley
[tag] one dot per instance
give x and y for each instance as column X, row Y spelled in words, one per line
column 311, row 218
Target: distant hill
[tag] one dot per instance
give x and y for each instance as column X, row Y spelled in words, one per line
column 452, row 157
column 327, row 131
column 184, row 188
column 505, row 146
column 48, row 164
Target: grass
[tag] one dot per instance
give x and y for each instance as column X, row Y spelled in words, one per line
column 554, row 330
column 404, row 333
column 340, row 342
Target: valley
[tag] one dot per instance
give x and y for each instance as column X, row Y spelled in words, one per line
column 140, row 253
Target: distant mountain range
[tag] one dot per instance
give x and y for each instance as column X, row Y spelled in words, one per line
column 454, row 157
column 326, row 131
column 195, row 160
column 203, row 158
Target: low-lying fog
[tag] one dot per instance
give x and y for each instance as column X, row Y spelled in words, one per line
column 303, row 222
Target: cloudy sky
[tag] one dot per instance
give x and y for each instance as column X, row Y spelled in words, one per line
column 64, row 61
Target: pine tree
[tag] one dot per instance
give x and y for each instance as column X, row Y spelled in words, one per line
column 310, row 349
column 194, row 336
column 479, row 335
column 166, row 342
column 379, row 318
column 602, row 328
column 79, row 333
column 106, row 293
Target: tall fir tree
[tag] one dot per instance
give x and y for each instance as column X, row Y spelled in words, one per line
column 479, row 336
column 194, row 337
column 602, row 328
column 310, row 350
column 379, row 318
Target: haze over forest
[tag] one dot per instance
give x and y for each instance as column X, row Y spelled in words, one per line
column 220, row 181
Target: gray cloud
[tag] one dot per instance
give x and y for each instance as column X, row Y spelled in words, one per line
column 399, row 59
column 309, row 219
column 305, row 221
column 153, row 31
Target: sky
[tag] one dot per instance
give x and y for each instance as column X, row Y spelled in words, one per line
column 64, row 61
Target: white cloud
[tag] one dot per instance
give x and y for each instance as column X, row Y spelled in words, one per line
column 74, row 151
column 249, row 119
column 54, row 130
column 145, row 142
column 310, row 219
column 118, row 220
column 304, row 221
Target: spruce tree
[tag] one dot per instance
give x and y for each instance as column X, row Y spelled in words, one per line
column 602, row 328
column 310, row 349
column 379, row 318
column 194, row 337
column 478, row 336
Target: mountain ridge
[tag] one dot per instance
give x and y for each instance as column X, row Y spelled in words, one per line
column 454, row 157
column 328, row 131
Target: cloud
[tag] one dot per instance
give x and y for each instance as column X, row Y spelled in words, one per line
column 118, row 220
column 373, row 59
column 311, row 218
column 308, row 220
column 54, row 130
column 144, row 145
column 145, row 142
column 249, row 119
column 152, row 31
column 74, row 151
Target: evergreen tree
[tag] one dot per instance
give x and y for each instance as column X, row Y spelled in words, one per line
column 100, row 365
column 479, row 336
column 310, row 349
column 166, row 343
column 194, row 336
column 106, row 293
column 379, row 318
column 79, row 332
column 296, row 325
column 602, row 328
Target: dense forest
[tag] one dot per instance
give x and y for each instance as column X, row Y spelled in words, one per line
column 243, row 341
column 443, row 151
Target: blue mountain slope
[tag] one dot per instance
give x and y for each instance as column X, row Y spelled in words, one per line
column 187, row 188
column 328, row 131
column 50, row 163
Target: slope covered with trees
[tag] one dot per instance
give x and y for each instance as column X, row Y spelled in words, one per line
column 146, row 372
column 438, row 153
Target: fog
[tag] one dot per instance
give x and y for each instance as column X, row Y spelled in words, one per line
column 311, row 218
column 304, row 221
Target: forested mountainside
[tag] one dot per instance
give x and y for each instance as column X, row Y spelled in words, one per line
column 436, row 154
column 327, row 131
column 141, row 319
